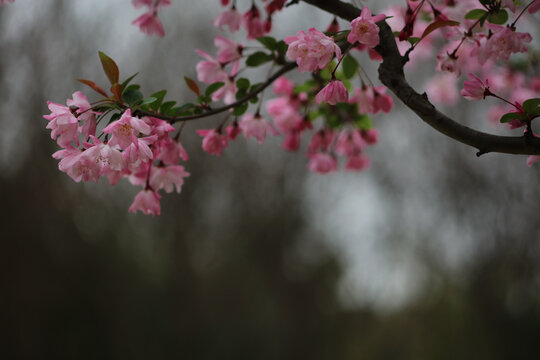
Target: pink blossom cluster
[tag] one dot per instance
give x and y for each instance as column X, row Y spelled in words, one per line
column 149, row 22
column 312, row 51
column 139, row 149
column 4, row 2
column 327, row 144
column 252, row 20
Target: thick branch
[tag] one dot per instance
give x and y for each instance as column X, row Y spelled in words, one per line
column 391, row 74
column 172, row 119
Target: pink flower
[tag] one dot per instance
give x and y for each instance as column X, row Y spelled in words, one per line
column 147, row 201
column 349, row 143
column 63, row 124
column 291, row 141
column 364, row 30
column 371, row 136
column 283, row 86
column 233, row 130
column 364, row 98
column 150, row 24
column 230, row 18
column 503, row 42
column 81, row 107
column 274, row 6
column 322, row 163
column 168, row 178
column 382, row 101
column 284, row 113
column 254, row 126
column 106, row 157
column 126, row 129
column 213, row 141
column 534, row 7
column 139, row 151
column 312, row 51
column 320, row 141
column 171, row 151
column 228, row 50
column 448, row 63
column 253, row 23
column 3, row 2
column 475, row 89
column 333, row 93
column 442, row 89
column 209, row 71
column 357, row 162
column 77, row 165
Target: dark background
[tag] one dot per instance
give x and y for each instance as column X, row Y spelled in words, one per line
column 256, row 259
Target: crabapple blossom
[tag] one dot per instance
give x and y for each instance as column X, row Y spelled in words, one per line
column 213, row 141
column 168, row 178
column 255, row 126
column 311, row 51
column 230, row 18
column 333, row 93
column 4, row 2
column 322, row 163
column 364, row 29
column 475, row 89
column 126, row 129
column 146, row 201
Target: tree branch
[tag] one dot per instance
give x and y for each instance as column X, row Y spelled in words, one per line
column 391, row 74
column 172, row 119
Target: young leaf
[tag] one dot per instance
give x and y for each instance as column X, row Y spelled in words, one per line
column 93, row 86
column 149, row 100
column 192, row 85
column 110, row 68
column 349, row 66
column 132, row 96
column 116, row 89
column 258, row 58
column 436, row 25
column 166, row 106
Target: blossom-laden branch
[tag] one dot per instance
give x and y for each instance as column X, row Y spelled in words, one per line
column 173, row 119
column 392, row 75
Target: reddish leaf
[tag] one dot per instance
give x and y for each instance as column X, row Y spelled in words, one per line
column 110, row 68
column 192, row 85
column 436, row 25
column 94, row 86
column 116, row 89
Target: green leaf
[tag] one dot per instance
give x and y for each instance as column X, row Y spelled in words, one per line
column 268, row 42
column 148, row 100
column 258, row 58
column 363, row 122
column 132, row 96
column 166, row 106
column 475, row 14
column 159, row 96
column 349, row 66
column 281, row 48
column 212, row 88
column 510, row 116
column 413, row 40
column 240, row 110
column 128, row 80
column 192, row 85
column 498, row 18
column 110, row 67
column 532, row 106
column 242, row 84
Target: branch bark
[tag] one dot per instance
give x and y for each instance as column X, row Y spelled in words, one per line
column 391, row 74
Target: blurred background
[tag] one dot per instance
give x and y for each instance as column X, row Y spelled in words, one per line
column 432, row 253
